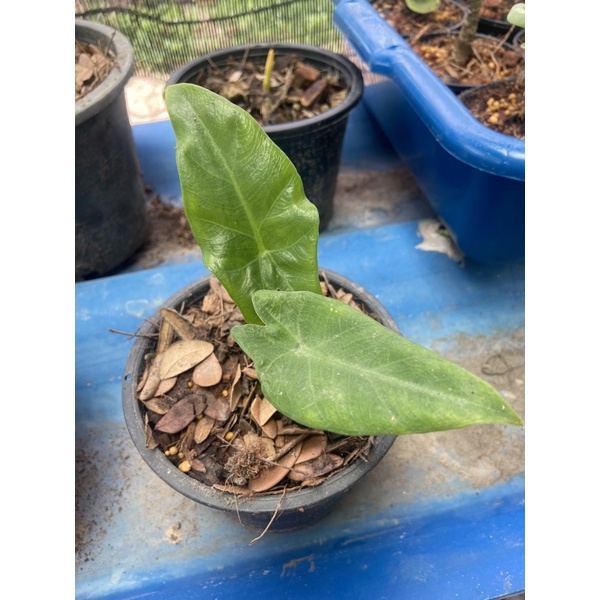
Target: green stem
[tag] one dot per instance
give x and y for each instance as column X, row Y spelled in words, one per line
column 269, row 70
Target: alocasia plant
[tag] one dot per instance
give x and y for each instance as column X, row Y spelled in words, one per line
column 320, row 362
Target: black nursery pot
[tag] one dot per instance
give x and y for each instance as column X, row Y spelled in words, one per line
column 314, row 145
column 496, row 28
column 296, row 509
column 110, row 212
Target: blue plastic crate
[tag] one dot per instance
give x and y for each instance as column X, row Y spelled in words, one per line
column 473, row 177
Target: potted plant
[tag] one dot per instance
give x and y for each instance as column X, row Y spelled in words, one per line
column 110, row 211
column 414, row 18
column 473, row 177
column 457, row 51
column 500, row 105
column 301, row 95
column 313, row 361
column 464, row 57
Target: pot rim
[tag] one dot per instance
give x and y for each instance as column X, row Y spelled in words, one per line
column 205, row 494
column 114, row 84
column 348, row 69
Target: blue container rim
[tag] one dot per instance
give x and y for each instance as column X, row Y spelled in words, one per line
column 450, row 122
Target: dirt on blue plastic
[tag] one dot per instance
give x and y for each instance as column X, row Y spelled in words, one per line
column 418, row 467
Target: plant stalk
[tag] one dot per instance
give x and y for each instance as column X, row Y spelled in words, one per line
column 269, row 63
column 463, row 49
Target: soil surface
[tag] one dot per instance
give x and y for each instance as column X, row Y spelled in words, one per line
column 205, row 410
column 411, row 25
column 499, row 106
column 496, row 10
column 491, row 60
column 281, row 89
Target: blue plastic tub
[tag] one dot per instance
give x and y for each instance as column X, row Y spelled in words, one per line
column 473, row 177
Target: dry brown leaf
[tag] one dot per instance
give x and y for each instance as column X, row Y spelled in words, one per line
column 218, row 408
column 144, row 378
column 271, row 477
column 313, row 447
column 186, row 442
column 153, row 379
column 177, row 418
column 232, row 91
column 235, row 390
column 184, row 329
column 208, row 372
column 225, row 295
column 346, row 298
column 262, row 410
column 270, row 429
column 84, row 70
column 316, row 468
column 203, row 429
column 165, row 386
column 183, row 355
column 165, row 336
column 151, row 442
column 160, row 406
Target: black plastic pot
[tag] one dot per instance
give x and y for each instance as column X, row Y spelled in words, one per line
column 110, row 212
column 496, row 28
column 314, row 145
column 297, row 508
column 518, row 40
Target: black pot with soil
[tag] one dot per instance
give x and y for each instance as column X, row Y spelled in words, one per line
column 110, row 212
column 295, row 500
column 305, row 112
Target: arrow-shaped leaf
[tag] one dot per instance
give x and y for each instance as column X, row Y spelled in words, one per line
column 243, row 198
column 328, row 366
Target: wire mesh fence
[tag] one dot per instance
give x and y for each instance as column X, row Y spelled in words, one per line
column 165, row 34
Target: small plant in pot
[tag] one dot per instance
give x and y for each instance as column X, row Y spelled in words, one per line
column 500, row 105
column 465, row 58
column 414, row 18
column 301, row 95
column 319, row 368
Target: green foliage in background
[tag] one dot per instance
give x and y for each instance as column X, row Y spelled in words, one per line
column 165, row 34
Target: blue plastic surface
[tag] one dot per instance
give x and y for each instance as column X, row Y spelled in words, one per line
column 442, row 516
column 473, row 177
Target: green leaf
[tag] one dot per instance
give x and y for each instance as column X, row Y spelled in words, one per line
column 328, row 366
column 243, row 198
column 423, row 7
column 516, row 15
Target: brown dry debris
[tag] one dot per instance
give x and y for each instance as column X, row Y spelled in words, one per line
column 92, row 67
column 297, row 90
column 221, row 430
column 411, row 25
